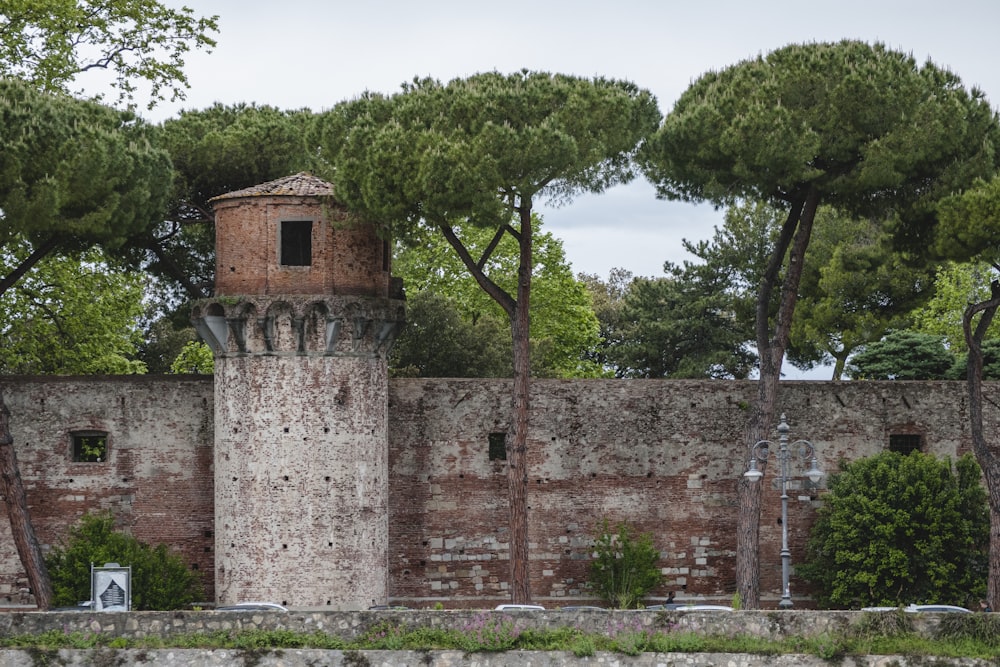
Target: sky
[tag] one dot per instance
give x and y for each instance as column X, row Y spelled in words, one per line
column 315, row 53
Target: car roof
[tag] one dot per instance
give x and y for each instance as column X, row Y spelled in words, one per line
column 515, row 607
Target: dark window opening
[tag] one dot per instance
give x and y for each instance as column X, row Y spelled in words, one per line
column 498, row 446
column 90, row 447
column 905, row 443
column 296, row 243
column 385, row 255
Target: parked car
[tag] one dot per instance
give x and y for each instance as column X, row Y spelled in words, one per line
column 703, row 607
column 86, row 605
column 922, row 608
column 519, row 607
column 252, row 606
column 387, row 607
column 582, row 607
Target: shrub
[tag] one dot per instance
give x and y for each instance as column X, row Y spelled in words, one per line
column 624, row 567
column 160, row 579
column 898, row 529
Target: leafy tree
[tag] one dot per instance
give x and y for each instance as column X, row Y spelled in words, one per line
column 606, row 299
column 855, row 288
column 73, row 174
column 49, row 44
column 439, row 341
column 477, row 152
column 195, row 357
column 624, row 568
column 903, row 355
column 164, row 337
column 858, row 127
column 956, row 285
column 161, row 580
column 72, row 315
column 969, row 229
column 681, row 326
column 897, row 529
column 564, row 328
column 214, row 151
column 990, row 354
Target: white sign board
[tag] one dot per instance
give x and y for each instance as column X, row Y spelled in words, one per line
column 111, row 588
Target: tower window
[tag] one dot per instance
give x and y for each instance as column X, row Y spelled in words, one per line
column 296, row 242
column 905, row 443
column 90, row 447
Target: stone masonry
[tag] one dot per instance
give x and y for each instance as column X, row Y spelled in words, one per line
column 661, row 454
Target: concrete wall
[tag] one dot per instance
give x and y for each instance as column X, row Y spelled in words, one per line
column 663, row 455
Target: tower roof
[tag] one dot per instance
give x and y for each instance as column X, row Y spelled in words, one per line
column 302, row 184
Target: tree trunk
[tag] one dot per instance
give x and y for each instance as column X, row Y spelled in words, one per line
column 988, row 459
column 516, row 443
column 20, row 520
column 517, row 438
column 771, row 345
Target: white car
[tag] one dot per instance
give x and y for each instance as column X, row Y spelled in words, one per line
column 703, row 607
column 519, row 607
column 252, row 606
column 923, row 608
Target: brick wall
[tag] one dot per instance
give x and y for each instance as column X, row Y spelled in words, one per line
column 347, row 258
column 157, row 479
column 664, row 455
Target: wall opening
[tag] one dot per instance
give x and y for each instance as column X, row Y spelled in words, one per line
column 498, row 446
column 296, row 242
column 90, row 446
column 905, row 443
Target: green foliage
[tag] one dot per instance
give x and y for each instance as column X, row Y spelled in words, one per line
column 195, row 357
column 680, row 327
column 160, row 579
column 866, row 126
column 71, row 315
column 468, row 149
column 969, row 636
column 855, row 288
column 900, row 529
column 439, row 342
column 903, row 355
column 564, row 328
column 624, row 568
column 955, row 287
column 49, row 44
column 75, row 173
column 214, row 151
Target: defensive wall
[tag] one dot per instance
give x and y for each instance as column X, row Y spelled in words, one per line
column 663, row 455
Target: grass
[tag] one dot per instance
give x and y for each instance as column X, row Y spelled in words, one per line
column 969, row 636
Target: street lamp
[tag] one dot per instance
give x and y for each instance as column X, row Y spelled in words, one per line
column 806, row 451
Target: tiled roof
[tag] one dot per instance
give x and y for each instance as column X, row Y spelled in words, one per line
column 301, row 184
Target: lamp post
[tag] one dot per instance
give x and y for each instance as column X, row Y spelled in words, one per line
column 806, row 451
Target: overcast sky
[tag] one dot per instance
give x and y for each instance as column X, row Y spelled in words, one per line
column 314, row 53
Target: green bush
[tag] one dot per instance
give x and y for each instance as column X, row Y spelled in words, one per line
column 161, row 580
column 624, row 568
column 898, row 529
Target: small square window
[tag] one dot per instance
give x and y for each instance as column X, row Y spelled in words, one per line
column 498, row 446
column 90, row 447
column 296, row 243
column 905, row 443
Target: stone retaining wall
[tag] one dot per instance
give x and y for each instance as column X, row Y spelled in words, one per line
column 347, row 625
column 350, row 625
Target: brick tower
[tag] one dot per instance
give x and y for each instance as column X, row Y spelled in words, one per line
column 300, row 324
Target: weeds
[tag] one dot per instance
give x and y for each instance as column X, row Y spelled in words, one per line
column 965, row 635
